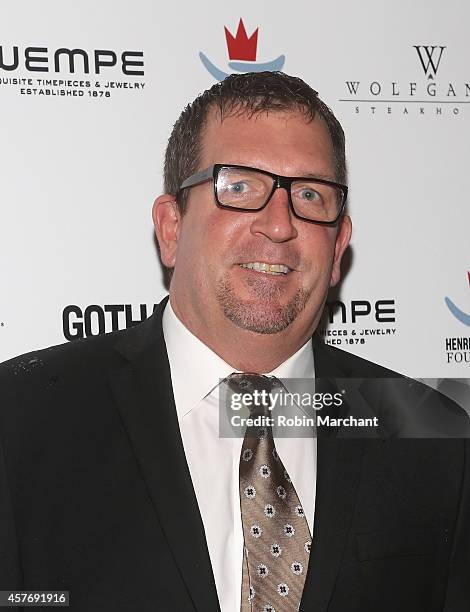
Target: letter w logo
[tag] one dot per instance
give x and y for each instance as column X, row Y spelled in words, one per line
column 430, row 58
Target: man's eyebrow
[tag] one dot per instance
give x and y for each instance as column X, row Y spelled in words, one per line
column 318, row 175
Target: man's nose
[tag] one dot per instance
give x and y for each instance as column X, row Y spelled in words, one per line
column 275, row 221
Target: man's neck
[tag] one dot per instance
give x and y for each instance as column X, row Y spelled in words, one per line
column 245, row 350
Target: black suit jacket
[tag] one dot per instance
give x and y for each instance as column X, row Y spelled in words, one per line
column 96, row 497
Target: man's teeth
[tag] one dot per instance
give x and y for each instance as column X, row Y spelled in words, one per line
column 267, row 268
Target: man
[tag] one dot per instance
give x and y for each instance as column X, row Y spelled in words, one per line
column 116, row 484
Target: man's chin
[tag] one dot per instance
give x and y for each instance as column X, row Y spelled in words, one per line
column 263, row 315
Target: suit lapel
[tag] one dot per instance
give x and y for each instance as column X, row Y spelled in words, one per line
column 338, row 472
column 143, row 393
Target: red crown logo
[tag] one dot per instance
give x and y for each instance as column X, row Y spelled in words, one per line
column 240, row 47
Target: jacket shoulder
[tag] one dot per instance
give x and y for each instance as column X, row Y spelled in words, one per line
column 407, row 407
column 87, row 355
column 353, row 365
column 78, row 355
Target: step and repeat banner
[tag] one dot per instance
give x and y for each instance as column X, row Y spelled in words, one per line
column 89, row 93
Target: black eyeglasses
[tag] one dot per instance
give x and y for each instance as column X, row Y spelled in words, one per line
column 250, row 189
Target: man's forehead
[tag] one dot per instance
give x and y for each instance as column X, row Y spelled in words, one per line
column 242, row 132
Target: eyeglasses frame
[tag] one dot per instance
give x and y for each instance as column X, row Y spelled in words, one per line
column 284, row 182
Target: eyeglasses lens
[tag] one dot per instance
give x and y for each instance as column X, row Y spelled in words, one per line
column 250, row 190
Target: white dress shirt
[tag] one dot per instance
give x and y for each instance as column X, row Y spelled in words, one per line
column 214, row 461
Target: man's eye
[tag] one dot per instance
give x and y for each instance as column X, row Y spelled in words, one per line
column 237, row 188
column 310, row 195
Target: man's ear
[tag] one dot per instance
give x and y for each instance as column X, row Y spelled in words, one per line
column 342, row 240
column 166, row 220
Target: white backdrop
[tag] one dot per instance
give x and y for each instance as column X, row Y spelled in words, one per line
column 79, row 172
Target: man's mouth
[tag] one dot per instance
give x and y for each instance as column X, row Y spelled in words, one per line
column 266, row 268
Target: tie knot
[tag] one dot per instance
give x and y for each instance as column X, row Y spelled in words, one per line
column 246, row 382
column 256, row 385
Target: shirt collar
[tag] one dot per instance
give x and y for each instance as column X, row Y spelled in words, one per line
column 299, row 365
column 196, row 369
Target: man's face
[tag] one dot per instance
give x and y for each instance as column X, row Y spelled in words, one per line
column 209, row 283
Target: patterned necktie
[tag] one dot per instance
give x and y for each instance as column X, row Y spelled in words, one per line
column 276, row 534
